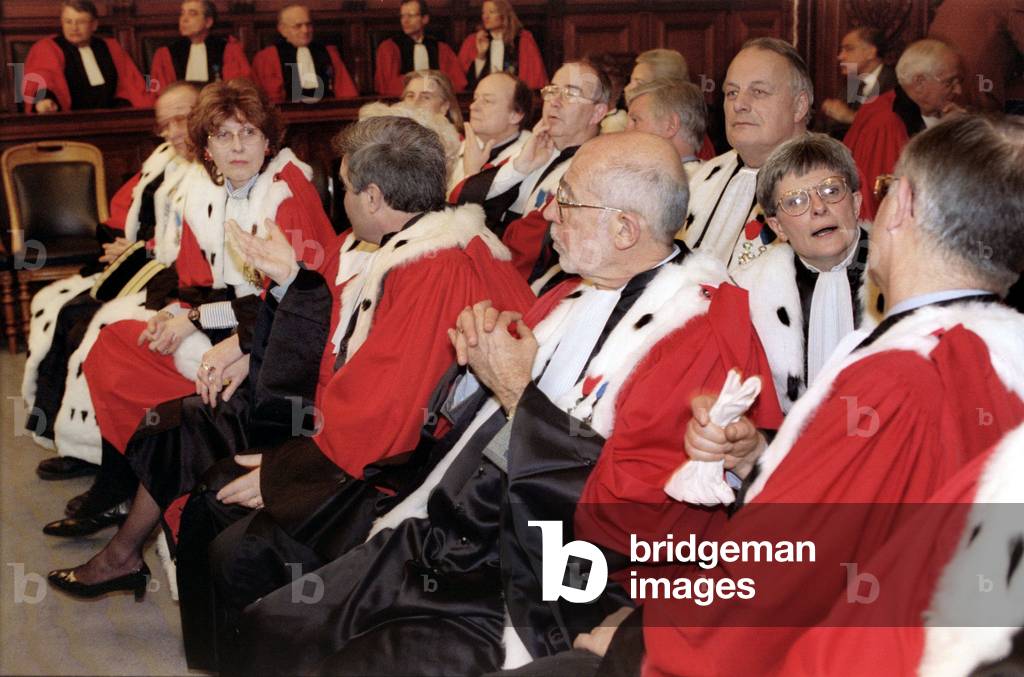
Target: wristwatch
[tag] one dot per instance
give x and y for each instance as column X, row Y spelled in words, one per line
column 193, row 317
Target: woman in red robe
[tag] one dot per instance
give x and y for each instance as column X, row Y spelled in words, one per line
column 502, row 44
column 134, row 365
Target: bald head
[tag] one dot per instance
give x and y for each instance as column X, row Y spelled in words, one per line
column 640, row 173
column 295, row 25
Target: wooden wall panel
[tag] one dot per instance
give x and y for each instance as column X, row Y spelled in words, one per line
column 597, row 33
column 697, row 36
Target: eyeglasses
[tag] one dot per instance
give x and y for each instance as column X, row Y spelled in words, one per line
column 247, row 136
column 797, row 202
column 565, row 203
column 883, row 184
column 568, row 93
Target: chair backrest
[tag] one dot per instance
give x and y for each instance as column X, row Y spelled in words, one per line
column 54, row 189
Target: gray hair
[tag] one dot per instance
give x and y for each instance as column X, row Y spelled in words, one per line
column 799, row 76
column 403, row 158
column 920, row 58
column 666, row 63
column 800, row 155
column 603, row 93
column 682, row 98
column 969, row 192
column 658, row 193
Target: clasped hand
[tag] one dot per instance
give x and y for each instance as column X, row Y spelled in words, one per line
column 738, row 445
column 500, row 359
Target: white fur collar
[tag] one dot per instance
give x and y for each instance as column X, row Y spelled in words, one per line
column 153, row 167
column 205, row 211
column 995, row 615
column 1001, row 328
column 670, row 300
column 454, row 227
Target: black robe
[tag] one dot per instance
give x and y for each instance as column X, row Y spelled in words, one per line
column 439, row 585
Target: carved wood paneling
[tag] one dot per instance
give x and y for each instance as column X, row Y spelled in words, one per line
column 697, row 36
column 597, row 33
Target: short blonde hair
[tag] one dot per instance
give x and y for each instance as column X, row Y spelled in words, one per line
column 666, row 64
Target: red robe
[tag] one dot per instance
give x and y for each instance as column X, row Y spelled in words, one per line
column 126, row 379
column 887, row 637
column 388, row 78
column 887, row 428
column 875, row 139
column 44, row 67
column 625, row 493
column 235, row 65
column 266, row 71
column 419, row 303
column 531, row 64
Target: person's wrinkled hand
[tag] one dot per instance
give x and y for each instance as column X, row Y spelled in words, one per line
column 738, row 445
column 47, row 106
column 501, row 361
column 244, row 490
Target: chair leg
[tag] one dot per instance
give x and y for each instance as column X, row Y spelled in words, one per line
column 7, row 300
column 25, row 299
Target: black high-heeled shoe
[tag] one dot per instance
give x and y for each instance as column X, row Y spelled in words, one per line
column 137, row 581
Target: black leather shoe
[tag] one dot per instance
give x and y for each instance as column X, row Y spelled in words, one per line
column 65, row 468
column 137, row 581
column 85, row 525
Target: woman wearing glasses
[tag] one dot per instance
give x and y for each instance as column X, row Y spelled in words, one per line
column 808, row 289
column 502, row 45
column 200, row 343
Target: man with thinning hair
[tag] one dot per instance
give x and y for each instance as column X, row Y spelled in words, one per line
column 918, row 400
column 930, row 77
column 674, row 110
column 198, row 56
column 297, row 67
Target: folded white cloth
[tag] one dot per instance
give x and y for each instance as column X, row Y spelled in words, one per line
column 703, row 482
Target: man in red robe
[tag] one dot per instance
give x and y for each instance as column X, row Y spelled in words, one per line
column 414, row 50
column 389, row 345
column 946, row 589
column 928, row 391
column 929, row 79
column 198, row 56
column 77, row 70
column 600, row 370
column 297, row 68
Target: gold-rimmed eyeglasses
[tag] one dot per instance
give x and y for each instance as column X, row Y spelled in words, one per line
column 563, row 202
column 883, row 184
column 797, row 202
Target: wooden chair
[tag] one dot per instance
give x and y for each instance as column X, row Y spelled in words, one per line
column 56, row 196
column 7, row 299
